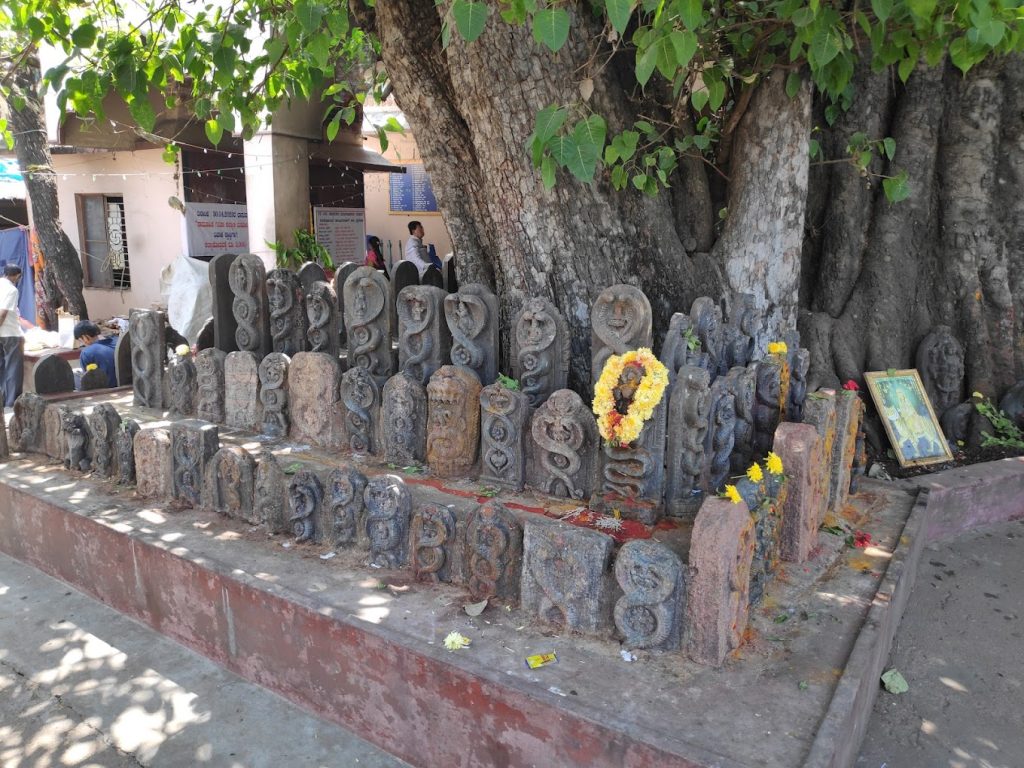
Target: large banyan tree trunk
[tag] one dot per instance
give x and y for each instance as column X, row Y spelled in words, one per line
column 871, row 277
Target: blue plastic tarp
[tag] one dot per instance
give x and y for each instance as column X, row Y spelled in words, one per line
column 14, row 250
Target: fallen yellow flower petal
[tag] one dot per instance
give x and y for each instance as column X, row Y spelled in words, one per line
column 774, row 463
column 456, row 640
column 182, row 349
column 732, row 494
column 754, row 473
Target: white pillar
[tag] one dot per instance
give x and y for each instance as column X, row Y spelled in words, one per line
column 276, row 191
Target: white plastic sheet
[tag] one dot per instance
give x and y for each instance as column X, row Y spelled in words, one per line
column 189, row 297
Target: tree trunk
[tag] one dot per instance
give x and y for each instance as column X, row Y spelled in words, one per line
column 30, row 144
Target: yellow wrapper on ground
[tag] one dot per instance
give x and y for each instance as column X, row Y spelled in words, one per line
column 540, row 660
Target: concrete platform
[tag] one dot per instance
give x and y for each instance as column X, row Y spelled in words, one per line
column 362, row 647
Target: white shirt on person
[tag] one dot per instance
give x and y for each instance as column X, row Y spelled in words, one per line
column 416, row 252
column 11, row 326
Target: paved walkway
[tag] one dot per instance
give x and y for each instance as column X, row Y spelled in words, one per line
column 961, row 648
column 81, row 686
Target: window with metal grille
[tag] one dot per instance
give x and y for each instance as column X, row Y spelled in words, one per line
column 104, row 241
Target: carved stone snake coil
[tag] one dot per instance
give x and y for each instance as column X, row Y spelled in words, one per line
column 210, row 375
column 244, row 278
column 626, row 469
column 320, row 308
column 305, row 495
column 273, row 373
column 146, row 358
column 365, row 335
column 415, row 337
column 648, row 575
column 560, row 436
column 387, row 508
column 467, row 318
column 187, row 474
column 182, row 373
column 499, row 431
column 563, row 579
column 346, row 502
column 359, row 393
column 489, row 539
column 432, row 534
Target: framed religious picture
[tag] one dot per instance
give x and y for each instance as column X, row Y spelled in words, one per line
column 908, row 417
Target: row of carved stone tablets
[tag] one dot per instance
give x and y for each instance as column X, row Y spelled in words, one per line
column 147, row 338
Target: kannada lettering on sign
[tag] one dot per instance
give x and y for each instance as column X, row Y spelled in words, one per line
column 213, row 228
column 342, row 231
column 411, row 192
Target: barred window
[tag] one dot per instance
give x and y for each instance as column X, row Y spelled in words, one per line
column 104, row 241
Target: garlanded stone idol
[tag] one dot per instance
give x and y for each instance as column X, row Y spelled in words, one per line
column 940, row 362
column 564, row 447
column 565, row 575
column 424, row 341
column 181, row 372
column 367, row 304
column 473, row 320
column 689, row 410
column 540, row 350
column 453, row 421
column 147, row 337
column 305, row 497
column 388, row 509
column 621, row 321
column 344, row 506
column 324, row 322
column 210, row 376
column 433, row 543
column 193, row 444
column 287, row 317
column 124, row 451
column 651, row 610
column 494, row 546
column 404, row 420
column 103, row 425
column 273, row 373
column 247, row 277
column 504, row 414
column 361, row 397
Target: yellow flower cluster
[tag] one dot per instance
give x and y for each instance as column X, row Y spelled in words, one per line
column 777, row 348
column 91, row 367
column 182, row 349
column 732, row 494
column 774, row 463
column 453, row 641
column 623, row 428
column 754, row 473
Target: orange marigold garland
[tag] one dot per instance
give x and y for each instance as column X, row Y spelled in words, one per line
column 618, row 428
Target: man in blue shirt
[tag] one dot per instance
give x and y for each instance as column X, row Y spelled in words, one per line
column 97, row 349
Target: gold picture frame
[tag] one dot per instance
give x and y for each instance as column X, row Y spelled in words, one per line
column 908, row 416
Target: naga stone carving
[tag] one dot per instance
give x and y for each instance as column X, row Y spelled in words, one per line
column 689, row 410
column 310, row 273
column 243, row 407
column 341, row 274
column 404, row 420
column 247, row 277
column 230, row 483
column 800, row 365
column 620, row 321
column 103, row 425
column 564, row 447
column 676, row 351
column 494, row 547
column 124, row 451
column 273, row 374
column 424, row 341
column 26, row 430
column 540, row 350
column 453, row 421
column 739, row 335
column 720, row 438
column 154, row 465
column 940, row 361
column 388, row 510
column 504, row 415
column 147, row 337
column 653, row 604
column 181, row 373
column 706, row 319
column 269, row 494
column 742, row 382
column 324, row 322
column 210, row 377
column 565, row 580
column 344, row 507
column 287, row 314
column 193, row 444
column 768, row 406
column 472, row 315
column 313, row 381
column 53, row 444
column 305, row 497
column 76, row 432
column 360, row 396
column 433, row 543
column 404, row 274
column 368, row 322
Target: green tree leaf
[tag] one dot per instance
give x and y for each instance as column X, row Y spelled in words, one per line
column 889, row 145
column 213, row 131
column 691, row 12
column 549, row 121
column 882, row 9
column 685, row 45
column 896, row 188
column 646, row 60
column 470, row 18
column 547, row 172
column 84, row 35
column 619, row 12
column 309, row 14
column 551, row 27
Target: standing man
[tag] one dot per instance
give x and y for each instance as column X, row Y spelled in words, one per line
column 12, row 339
column 97, row 349
column 415, row 250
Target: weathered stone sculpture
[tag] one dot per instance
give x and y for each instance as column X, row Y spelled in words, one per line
column 309, row 274
column 706, row 319
column 344, row 507
column 940, row 362
column 124, row 451
column 504, row 415
column 404, row 420
column 26, row 429
column 147, row 336
column 93, row 379
column 230, row 484
column 1011, row 403
column 453, row 427
column 472, row 315
column 720, row 439
column 688, row 419
column 424, row 341
column 154, row 464
column 76, row 432
column 103, row 425
column 565, row 580
column 388, row 510
column 742, row 383
column 247, row 277
column 494, row 546
column 682, row 347
column 243, row 407
column 540, row 350
column 53, row 375
column 313, row 393
column 269, row 495
column 53, row 443
column 768, row 406
column 739, row 335
column 273, row 373
column 433, row 543
column 181, row 372
column 211, row 386
column 620, row 321
column 123, row 359
column 798, row 385
column 651, row 610
column 368, row 322
column 404, row 274
column 323, row 317
column 564, row 447
column 193, row 444
column 305, row 497
column 341, row 274
column 224, row 323
column 360, row 396
column 287, row 314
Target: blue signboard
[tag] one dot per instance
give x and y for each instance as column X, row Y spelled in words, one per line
column 411, row 192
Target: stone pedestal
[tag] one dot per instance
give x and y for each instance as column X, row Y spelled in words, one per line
column 803, row 461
